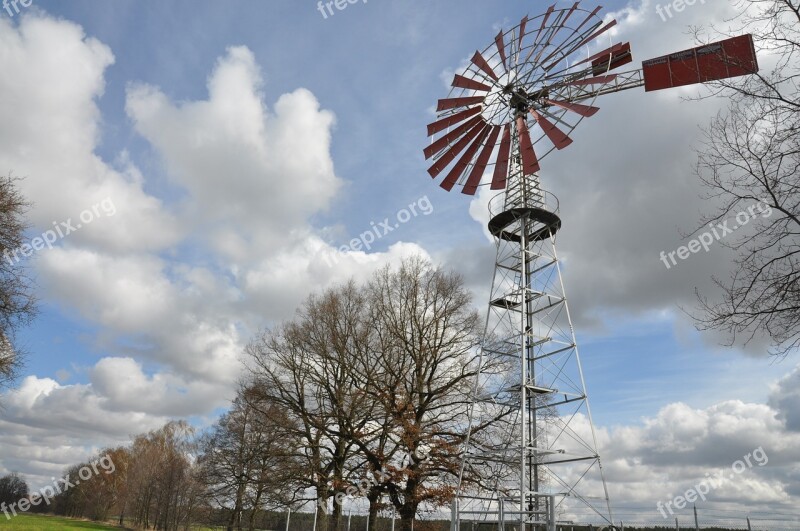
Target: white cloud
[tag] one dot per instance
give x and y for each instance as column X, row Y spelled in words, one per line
column 179, row 285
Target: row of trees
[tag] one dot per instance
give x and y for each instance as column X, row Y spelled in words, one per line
column 367, row 390
column 364, row 394
column 152, row 483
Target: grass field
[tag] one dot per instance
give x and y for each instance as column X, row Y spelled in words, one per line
column 30, row 522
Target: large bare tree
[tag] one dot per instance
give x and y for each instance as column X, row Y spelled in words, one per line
column 17, row 303
column 422, row 376
column 306, row 368
column 750, row 163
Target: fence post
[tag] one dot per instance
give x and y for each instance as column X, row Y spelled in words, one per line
column 394, row 513
column 622, row 525
column 696, row 525
column 288, row 516
column 748, row 524
column 367, row 528
column 316, row 509
column 349, row 516
column 677, row 526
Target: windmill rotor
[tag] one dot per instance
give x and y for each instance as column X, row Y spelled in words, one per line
column 528, row 83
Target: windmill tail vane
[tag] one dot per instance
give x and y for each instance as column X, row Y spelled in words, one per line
column 520, row 99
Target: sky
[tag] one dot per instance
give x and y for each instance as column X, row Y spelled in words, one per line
column 209, row 158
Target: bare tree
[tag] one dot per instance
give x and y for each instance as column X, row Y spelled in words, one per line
column 244, row 459
column 422, row 378
column 305, row 367
column 17, row 303
column 751, row 160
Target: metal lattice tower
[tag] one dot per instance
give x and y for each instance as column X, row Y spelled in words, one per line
column 547, row 444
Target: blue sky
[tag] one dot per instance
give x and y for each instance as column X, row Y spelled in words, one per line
column 239, row 138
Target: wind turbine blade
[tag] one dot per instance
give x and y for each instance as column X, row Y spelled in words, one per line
column 501, row 167
column 530, row 164
column 559, row 139
column 445, row 140
column 453, row 119
column 475, row 175
column 583, row 110
column 453, row 152
column 462, row 164
column 453, row 103
column 501, row 49
column 481, row 63
column 467, row 83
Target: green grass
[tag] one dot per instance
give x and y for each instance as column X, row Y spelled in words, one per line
column 31, row 522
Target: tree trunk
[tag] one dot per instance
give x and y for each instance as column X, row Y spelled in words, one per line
column 256, row 503
column 333, row 523
column 407, row 514
column 374, row 501
column 322, row 513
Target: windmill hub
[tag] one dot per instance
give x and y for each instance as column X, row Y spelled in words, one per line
column 519, row 100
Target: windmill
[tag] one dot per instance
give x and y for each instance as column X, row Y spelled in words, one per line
column 517, row 101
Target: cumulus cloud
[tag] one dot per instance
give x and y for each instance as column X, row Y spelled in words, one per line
column 785, row 399
column 53, row 75
column 175, row 288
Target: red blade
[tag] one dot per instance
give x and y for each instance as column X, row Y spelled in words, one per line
column 583, row 110
column 457, row 148
column 530, row 164
column 546, row 43
column 467, row 83
column 501, row 48
column 522, row 25
column 544, row 21
column 463, row 162
column 597, row 33
column 481, row 63
column 447, row 121
column 443, row 142
column 453, row 103
column 607, row 51
column 592, row 14
column 475, row 175
column 559, row 139
column 599, row 80
column 501, row 167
